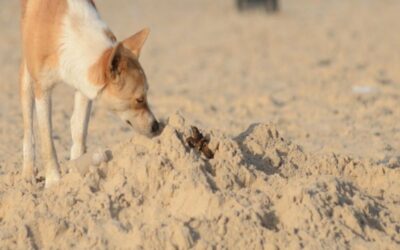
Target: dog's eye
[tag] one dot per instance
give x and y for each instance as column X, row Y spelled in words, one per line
column 140, row 100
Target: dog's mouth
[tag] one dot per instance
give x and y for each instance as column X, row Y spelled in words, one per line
column 154, row 131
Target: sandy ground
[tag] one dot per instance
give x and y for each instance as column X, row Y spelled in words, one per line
column 321, row 170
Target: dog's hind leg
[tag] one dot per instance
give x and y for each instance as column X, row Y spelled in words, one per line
column 27, row 104
column 49, row 156
column 79, row 125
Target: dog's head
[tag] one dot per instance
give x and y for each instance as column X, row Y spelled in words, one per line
column 126, row 87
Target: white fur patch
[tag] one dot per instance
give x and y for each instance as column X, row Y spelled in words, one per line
column 82, row 44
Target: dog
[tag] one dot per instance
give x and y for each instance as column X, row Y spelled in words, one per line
column 66, row 41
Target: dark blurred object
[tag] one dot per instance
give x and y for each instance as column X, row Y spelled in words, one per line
column 200, row 143
column 270, row 5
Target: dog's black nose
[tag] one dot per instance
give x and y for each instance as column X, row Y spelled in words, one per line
column 155, row 127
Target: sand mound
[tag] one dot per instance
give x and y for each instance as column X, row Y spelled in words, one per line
column 260, row 191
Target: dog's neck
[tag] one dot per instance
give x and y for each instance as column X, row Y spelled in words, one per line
column 85, row 39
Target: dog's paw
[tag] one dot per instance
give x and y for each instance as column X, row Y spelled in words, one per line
column 27, row 173
column 76, row 152
column 52, row 178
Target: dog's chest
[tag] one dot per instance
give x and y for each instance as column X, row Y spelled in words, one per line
column 83, row 41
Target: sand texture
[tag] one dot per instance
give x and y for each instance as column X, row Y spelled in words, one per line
column 260, row 191
column 302, row 112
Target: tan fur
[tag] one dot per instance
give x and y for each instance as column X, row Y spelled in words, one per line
column 41, row 30
column 128, row 82
column 23, row 8
column 135, row 42
column 128, row 69
column 97, row 73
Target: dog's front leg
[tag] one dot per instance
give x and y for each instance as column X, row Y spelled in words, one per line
column 49, row 156
column 27, row 104
column 79, row 125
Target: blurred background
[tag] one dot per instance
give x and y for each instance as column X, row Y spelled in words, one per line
column 326, row 72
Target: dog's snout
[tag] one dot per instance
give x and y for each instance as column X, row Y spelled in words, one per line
column 155, row 127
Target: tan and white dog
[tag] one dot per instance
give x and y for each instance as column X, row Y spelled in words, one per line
column 67, row 41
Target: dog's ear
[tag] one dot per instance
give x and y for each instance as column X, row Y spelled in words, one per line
column 114, row 61
column 135, row 43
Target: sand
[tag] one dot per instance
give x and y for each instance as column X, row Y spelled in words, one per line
column 301, row 108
